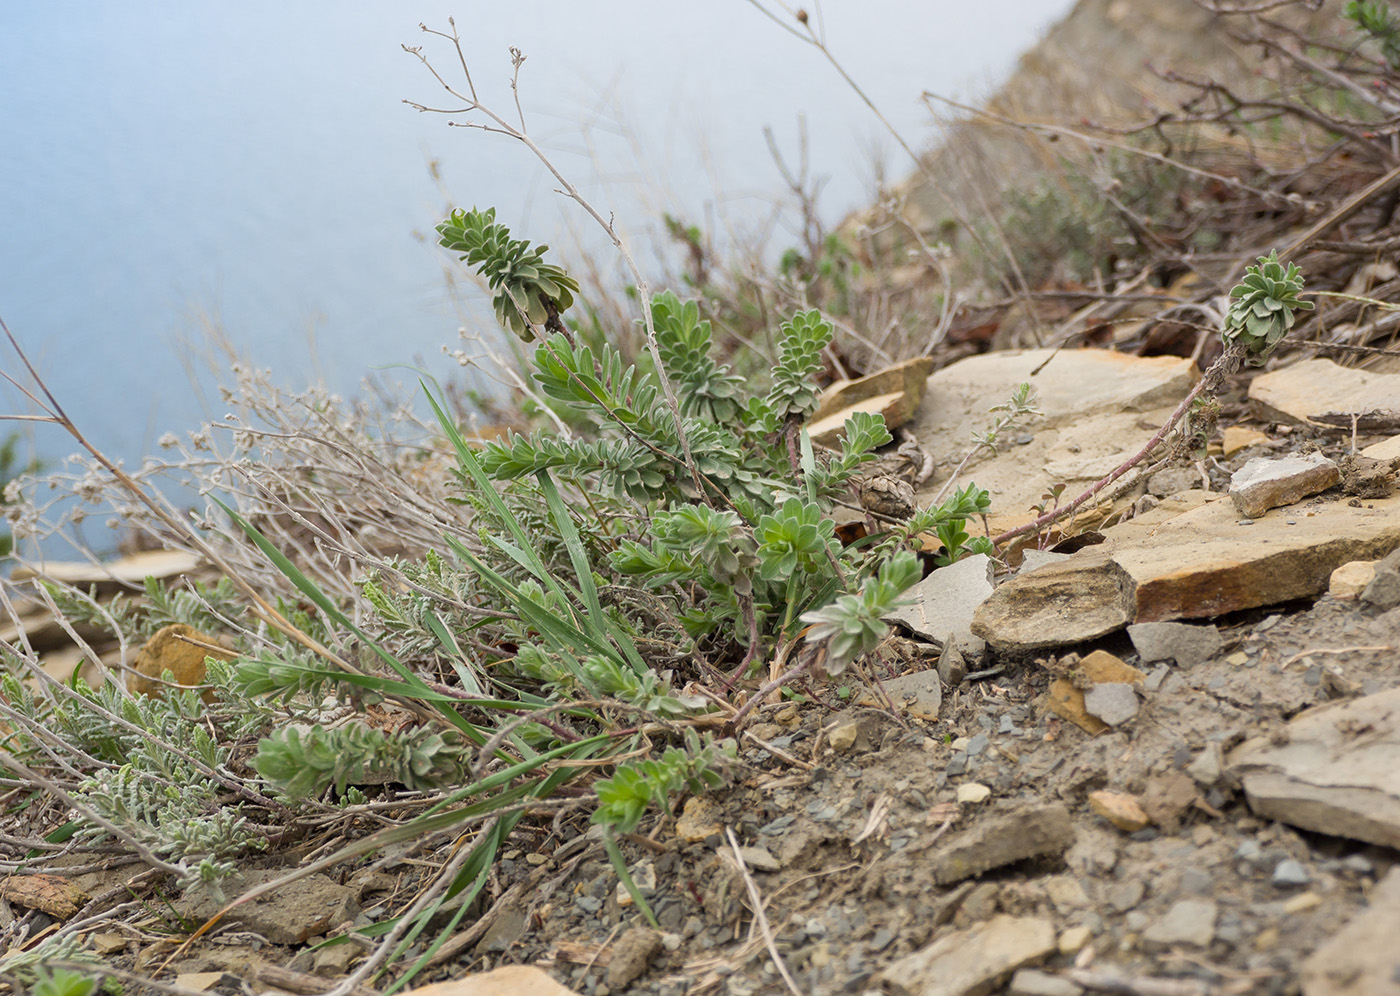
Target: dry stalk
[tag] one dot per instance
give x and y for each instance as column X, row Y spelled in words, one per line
column 499, row 125
column 759, row 916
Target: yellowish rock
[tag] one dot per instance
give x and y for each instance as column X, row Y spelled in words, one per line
column 843, row 737
column 1120, row 809
column 1066, row 698
column 699, row 819
column 1238, row 437
column 1386, row 449
column 179, row 649
column 1351, row 578
column 1302, row 902
column 509, row 980
column 1067, row 702
column 895, row 392
column 1074, row 940
column 973, row 793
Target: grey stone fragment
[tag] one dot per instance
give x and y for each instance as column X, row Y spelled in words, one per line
column 1205, row 769
column 1033, row 560
column 1189, row 921
column 973, row 961
column 1384, row 590
column 1027, row 832
column 1073, row 601
column 1289, row 872
column 1029, row 982
column 1362, row 957
column 952, row 665
column 920, row 693
column 630, row 956
column 1186, row 644
column 944, row 602
column 1263, row 483
column 504, row 931
column 1171, row 481
column 759, row 859
column 1114, row 702
column 1323, row 776
column 1126, row 894
column 291, row 914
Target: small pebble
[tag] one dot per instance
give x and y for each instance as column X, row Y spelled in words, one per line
column 1301, row 902
column 1358, row 864
column 973, row 793
column 1074, row 940
column 1289, row 873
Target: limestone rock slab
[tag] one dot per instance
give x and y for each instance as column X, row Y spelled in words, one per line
column 1318, row 387
column 1262, row 484
column 1184, row 643
column 508, row 980
column 129, row 571
column 945, row 601
column 894, row 392
column 973, row 961
column 293, row 913
column 1114, row 703
column 1099, row 407
column 1027, row 832
column 1239, row 437
column 1203, row 562
column 1361, row 959
column 1188, row 921
column 1081, row 598
column 1334, row 769
column 919, row 694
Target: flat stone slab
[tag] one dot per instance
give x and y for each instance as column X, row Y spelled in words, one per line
column 1362, row 958
column 919, row 694
column 1203, row 562
column 299, row 910
column 1184, row 643
column 1066, row 697
column 1200, row 563
column 1262, row 484
column 130, row 571
column 973, row 961
column 1319, row 387
column 1334, row 769
column 944, row 602
column 1188, row 921
column 1081, row 598
column 894, row 392
column 1028, row 832
column 508, row 980
column 1099, row 408
column 1115, row 703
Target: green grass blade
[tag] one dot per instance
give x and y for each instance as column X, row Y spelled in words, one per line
column 455, row 655
column 568, row 532
column 308, row 588
column 625, row 876
column 808, row 461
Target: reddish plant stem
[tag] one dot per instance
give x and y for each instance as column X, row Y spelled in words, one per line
column 1210, row 381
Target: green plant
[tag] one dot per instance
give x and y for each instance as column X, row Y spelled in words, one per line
column 1377, row 19
column 854, row 624
column 1263, row 307
column 527, row 291
column 64, row 982
column 52, row 968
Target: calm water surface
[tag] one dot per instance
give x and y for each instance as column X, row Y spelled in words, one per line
column 253, row 162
